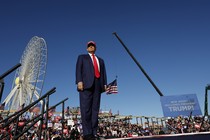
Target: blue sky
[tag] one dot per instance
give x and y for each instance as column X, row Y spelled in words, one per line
column 169, row 38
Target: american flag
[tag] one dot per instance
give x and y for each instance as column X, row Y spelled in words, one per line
column 112, row 87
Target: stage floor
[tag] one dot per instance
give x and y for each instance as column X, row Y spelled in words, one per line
column 185, row 136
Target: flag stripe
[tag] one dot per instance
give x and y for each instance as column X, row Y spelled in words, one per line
column 112, row 87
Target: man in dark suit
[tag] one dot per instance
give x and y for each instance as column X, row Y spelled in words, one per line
column 91, row 82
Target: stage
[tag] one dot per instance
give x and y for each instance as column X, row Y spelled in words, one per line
column 185, row 136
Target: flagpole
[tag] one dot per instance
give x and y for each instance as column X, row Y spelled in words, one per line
column 141, row 68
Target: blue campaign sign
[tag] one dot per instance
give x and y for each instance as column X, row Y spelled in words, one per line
column 174, row 106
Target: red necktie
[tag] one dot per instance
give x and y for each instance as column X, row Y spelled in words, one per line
column 97, row 73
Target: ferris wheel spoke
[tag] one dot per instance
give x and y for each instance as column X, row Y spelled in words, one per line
column 30, row 94
column 31, row 75
column 32, row 87
column 11, row 95
column 37, row 94
column 36, row 81
column 15, row 101
column 21, row 97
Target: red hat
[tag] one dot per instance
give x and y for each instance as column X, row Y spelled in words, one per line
column 91, row 43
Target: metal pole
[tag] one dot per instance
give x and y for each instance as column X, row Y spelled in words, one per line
column 157, row 121
column 147, row 121
column 62, row 120
column 38, row 118
column 41, row 120
column 46, row 119
column 141, row 121
column 141, row 68
column 152, row 122
column 206, row 101
column 10, row 70
column 137, row 121
column 162, row 122
column 1, row 88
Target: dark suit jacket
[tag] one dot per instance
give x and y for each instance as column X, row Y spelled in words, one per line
column 85, row 71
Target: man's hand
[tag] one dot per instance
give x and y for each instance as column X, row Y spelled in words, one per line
column 80, row 86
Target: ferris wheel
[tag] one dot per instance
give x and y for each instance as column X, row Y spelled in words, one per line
column 29, row 78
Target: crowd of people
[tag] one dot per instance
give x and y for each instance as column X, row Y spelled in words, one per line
column 109, row 127
column 123, row 127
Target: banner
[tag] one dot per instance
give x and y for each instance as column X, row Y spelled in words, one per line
column 184, row 105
